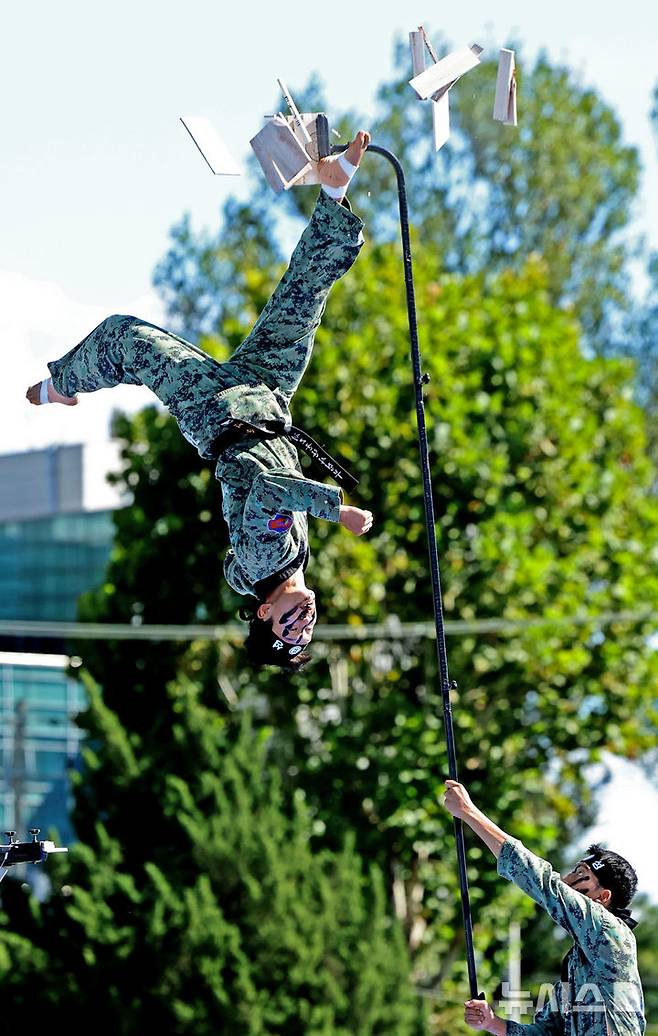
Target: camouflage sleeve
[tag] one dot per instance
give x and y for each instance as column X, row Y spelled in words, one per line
column 288, row 491
column 574, row 912
column 547, row 1023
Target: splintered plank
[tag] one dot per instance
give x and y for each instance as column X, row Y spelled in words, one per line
column 417, row 45
column 440, row 76
column 441, row 120
column 212, row 147
column 281, row 156
column 505, row 100
column 430, row 48
column 293, row 108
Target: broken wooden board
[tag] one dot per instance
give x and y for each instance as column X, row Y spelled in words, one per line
column 417, row 45
column 430, row 49
column 505, row 101
column 441, row 121
column 282, row 157
column 449, row 71
column 212, row 147
column 477, row 50
column 294, row 111
column 440, row 76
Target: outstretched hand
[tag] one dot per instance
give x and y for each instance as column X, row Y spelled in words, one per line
column 356, row 520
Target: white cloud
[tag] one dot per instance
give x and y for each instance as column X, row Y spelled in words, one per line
column 40, row 322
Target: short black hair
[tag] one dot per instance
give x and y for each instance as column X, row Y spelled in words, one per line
column 259, row 643
column 619, row 877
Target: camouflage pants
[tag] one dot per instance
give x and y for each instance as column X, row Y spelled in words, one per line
column 126, row 350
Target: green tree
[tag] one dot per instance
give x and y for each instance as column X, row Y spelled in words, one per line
column 228, row 921
column 641, row 344
column 198, row 280
column 641, row 338
column 647, row 952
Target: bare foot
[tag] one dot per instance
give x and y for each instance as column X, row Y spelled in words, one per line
column 34, row 391
column 330, row 172
column 355, row 150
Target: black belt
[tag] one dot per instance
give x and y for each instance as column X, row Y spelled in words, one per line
column 239, row 431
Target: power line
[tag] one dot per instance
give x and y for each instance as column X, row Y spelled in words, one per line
column 392, row 629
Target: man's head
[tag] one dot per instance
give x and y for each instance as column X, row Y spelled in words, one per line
column 605, row 877
column 281, row 627
column 292, row 615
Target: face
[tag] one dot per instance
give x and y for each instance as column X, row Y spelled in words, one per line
column 293, row 616
column 583, row 879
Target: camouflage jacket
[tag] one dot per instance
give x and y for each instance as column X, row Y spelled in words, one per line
column 265, row 501
column 602, row 995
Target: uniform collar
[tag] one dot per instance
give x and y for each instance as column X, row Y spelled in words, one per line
column 265, row 586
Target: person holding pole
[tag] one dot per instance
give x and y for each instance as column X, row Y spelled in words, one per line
column 237, row 414
column 599, row 992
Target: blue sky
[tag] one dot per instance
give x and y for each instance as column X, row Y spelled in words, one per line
column 95, row 167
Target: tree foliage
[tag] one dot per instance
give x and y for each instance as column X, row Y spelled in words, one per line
column 227, row 920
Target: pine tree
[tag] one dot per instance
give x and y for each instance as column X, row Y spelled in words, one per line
column 228, row 920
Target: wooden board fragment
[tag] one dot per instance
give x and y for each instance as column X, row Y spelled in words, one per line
column 282, row 157
column 432, row 53
column 441, row 120
column 477, row 50
column 293, row 108
column 216, row 154
column 440, row 77
column 417, row 45
column 505, row 100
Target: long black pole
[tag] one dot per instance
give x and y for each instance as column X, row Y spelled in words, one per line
column 419, row 380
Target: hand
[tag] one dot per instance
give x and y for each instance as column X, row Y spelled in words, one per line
column 479, row 1015
column 457, row 800
column 575, row 878
column 356, row 520
column 581, row 879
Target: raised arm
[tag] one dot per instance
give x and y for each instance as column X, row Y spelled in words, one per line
column 573, row 911
column 286, row 491
column 460, row 804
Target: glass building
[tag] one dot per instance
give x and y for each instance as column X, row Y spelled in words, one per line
column 39, row 742
column 52, row 549
column 46, row 563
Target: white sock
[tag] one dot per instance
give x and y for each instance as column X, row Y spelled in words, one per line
column 338, row 193
column 43, row 390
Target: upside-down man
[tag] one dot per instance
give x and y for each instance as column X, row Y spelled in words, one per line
column 237, row 414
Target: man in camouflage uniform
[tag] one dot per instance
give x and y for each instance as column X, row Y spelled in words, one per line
column 237, row 413
column 599, row 993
